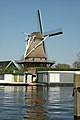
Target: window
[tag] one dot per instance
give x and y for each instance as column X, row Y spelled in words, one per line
column 1, row 76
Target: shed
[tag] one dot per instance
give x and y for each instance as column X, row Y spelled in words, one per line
column 16, row 77
column 30, row 77
column 55, row 76
column 6, row 78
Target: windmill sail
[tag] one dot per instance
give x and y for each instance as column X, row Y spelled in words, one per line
column 53, row 33
column 40, row 21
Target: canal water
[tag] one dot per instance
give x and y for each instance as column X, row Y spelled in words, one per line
column 36, row 103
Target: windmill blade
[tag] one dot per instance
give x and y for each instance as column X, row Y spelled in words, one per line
column 40, row 21
column 53, row 33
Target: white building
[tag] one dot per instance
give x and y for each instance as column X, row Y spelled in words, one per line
column 56, row 76
column 16, row 78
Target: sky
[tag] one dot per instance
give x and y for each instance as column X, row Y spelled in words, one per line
column 19, row 16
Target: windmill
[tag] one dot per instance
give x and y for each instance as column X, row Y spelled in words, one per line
column 35, row 54
column 35, row 47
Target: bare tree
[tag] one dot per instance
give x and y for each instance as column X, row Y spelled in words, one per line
column 78, row 56
column 76, row 63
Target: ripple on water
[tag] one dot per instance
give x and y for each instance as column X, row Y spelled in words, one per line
column 36, row 103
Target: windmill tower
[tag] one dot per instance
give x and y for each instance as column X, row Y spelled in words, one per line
column 35, row 53
column 35, row 48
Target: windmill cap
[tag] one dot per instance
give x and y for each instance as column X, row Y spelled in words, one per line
column 37, row 35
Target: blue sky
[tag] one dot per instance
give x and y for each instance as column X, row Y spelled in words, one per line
column 18, row 16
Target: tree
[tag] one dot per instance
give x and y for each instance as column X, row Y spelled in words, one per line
column 60, row 66
column 78, row 56
column 76, row 63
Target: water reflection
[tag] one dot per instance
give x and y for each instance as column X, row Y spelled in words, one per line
column 60, row 103
column 36, row 103
column 76, row 118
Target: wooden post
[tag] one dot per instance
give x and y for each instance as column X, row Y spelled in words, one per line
column 76, row 92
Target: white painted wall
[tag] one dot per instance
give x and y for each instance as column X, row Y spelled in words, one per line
column 54, row 77
column 2, row 81
column 45, row 77
column 29, row 78
column 8, row 78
